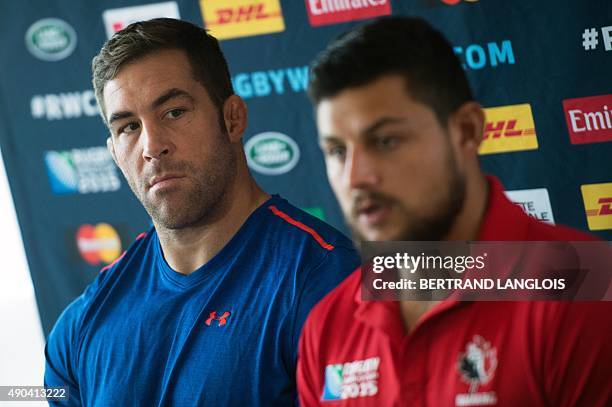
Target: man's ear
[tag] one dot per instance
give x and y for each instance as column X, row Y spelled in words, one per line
column 235, row 117
column 468, row 122
column 111, row 148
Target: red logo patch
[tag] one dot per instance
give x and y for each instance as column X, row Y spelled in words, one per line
column 323, row 12
column 222, row 319
column 589, row 119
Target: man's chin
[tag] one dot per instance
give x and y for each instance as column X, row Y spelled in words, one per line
column 171, row 222
column 163, row 216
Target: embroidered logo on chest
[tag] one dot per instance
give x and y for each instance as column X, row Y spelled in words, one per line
column 476, row 367
column 221, row 320
column 349, row 380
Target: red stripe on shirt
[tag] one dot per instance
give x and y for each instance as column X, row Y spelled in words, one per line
column 300, row 225
column 113, row 263
column 140, row 236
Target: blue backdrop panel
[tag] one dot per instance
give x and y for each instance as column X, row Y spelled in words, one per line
column 546, row 64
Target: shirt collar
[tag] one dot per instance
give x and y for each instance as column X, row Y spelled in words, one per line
column 503, row 220
column 380, row 315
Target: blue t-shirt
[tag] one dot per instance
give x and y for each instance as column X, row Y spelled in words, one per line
column 225, row 335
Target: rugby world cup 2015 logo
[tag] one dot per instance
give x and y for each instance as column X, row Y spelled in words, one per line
column 351, row 380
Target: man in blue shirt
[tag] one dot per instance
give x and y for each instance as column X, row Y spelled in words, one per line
column 206, row 308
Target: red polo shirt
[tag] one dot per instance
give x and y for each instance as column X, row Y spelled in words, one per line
column 356, row 353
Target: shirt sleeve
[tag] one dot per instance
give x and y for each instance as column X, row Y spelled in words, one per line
column 338, row 264
column 578, row 356
column 61, row 348
column 59, row 366
column 335, row 267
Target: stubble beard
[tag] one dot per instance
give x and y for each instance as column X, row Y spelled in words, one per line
column 435, row 226
column 200, row 201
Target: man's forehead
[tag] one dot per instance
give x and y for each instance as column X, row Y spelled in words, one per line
column 145, row 76
column 358, row 109
column 122, row 97
column 350, row 115
column 124, row 111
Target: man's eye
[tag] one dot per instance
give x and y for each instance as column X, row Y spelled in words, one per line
column 335, row 151
column 129, row 128
column 386, row 142
column 175, row 113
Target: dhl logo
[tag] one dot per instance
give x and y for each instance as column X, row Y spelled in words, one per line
column 508, row 128
column 605, row 208
column 598, row 205
column 248, row 13
column 241, row 18
column 505, row 128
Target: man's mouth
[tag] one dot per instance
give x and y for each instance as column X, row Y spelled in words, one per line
column 166, row 180
column 373, row 213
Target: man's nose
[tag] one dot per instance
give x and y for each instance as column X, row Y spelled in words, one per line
column 155, row 142
column 361, row 170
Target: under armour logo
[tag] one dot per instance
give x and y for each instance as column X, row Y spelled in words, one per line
column 222, row 319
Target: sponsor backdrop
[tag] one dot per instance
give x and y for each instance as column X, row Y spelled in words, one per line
column 542, row 70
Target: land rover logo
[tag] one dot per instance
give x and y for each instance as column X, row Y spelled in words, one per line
column 272, row 153
column 51, row 39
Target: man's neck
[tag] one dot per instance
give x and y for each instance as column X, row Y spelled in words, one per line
column 185, row 250
column 468, row 221
column 466, row 227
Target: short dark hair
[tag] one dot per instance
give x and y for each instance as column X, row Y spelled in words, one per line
column 407, row 46
column 143, row 38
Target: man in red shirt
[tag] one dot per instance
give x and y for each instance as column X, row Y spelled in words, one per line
column 400, row 132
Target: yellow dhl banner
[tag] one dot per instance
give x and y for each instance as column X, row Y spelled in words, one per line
column 508, row 128
column 598, row 205
column 241, row 18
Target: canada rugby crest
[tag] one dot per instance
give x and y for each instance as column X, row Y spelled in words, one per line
column 476, row 366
